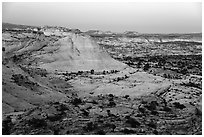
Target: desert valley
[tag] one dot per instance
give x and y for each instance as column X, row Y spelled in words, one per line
column 57, row 80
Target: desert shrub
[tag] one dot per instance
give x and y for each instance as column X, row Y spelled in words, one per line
column 3, row 49
column 144, row 102
column 111, row 95
column 154, row 112
column 16, row 58
column 6, row 126
column 178, row 105
column 62, row 107
column 90, row 126
column 37, row 123
column 101, row 132
column 126, row 77
column 155, row 132
column 93, row 101
column 56, row 131
column 76, row 101
column 167, row 109
column 111, row 104
column 198, row 112
column 111, row 126
column 41, row 72
column 55, row 117
column 126, row 96
column 128, row 131
column 85, row 112
column 111, row 99
column 141, row 109
column 133, row 122
column 152, row 105
column 146, row 67
column 92, row 71
column 79, row 72
column 139, row 115
column 152, row 124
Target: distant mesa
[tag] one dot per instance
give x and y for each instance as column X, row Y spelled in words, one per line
column 131, row 33
column 99, row 33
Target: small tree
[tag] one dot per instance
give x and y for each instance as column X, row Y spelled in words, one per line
column 146, row 67
column 92, row 71
column 139, row 64
column 3, row 49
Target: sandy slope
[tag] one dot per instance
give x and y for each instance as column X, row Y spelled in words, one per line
column 137, row 83
column 19, row 97
column 77, row 52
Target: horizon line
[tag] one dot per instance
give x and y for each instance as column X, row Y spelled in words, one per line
column 104, row 30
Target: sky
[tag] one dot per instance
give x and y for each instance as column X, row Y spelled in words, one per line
column 146, row 17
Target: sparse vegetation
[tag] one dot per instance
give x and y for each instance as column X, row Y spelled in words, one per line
column 178, row 105
column 76, row 101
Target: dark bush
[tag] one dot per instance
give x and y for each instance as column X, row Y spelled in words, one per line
column 146, row 67
column 111, row 104
column 101, row 132
column 111, row 126
column 111, row 95
column 154, row 112
column 178, row 105
column 152, row 106
column 111, row 99
column 128, row 131
column 62, row 107
column 94, row 102
column 85, row 112
column 6, row 126
column 126, row 96
column 76, row 101
column 90, row 126
column 37, row 123
column 198, row 112
column 167, row 109
column 144, row 102
column 155, row 132
column 55, row 117
column 92, row 71
column 141, row 109
column 139, row 115
column 21, row 80
column 152, row 124
column 56, row 131
column 68, row 132
column 133, row 122
column 16, row 58
column 3, row 49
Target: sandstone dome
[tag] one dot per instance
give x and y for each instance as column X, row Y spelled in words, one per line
column 77, row 52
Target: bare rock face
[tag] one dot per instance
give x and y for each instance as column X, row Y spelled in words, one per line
column 76, row 52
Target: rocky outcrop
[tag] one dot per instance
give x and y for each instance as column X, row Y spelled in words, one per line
column 77, row 52
column 59, row 49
